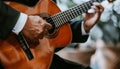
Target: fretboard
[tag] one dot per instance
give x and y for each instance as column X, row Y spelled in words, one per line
column 63, row 17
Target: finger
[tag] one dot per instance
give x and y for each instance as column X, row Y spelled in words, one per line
column 48, row 26
column 98, row 7
column 101, row 8
column 95, row 7
column 40, row 33
column 45, row 25
column 41, row 36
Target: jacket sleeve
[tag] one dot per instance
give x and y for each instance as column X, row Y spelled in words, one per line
column 9, row 16
column 8, row 19
column 76, row 32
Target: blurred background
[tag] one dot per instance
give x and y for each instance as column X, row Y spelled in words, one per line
column 102, row 49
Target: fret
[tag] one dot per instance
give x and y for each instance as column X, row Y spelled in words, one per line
column 90, row 3
column 59, row 20
column 79, row 9
column 83, row 8
column 55, row 20
column 62, row 17
column 75, row 11
column 87, row 5
column 65, row 17
column 68, row 16
column 71, row 12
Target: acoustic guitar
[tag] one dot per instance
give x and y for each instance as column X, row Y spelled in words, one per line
column 12, row 54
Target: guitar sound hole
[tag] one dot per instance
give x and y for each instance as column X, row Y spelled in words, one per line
column 48, row 19
column 51, row 30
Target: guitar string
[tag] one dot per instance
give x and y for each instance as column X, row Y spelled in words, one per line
column 61, row 18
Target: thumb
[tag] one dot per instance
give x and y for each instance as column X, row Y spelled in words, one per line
column 48, row 26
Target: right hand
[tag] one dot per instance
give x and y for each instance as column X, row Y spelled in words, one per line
column 35, row 28
column 90, row 19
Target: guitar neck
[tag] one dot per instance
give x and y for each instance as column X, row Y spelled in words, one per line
column 63, row 17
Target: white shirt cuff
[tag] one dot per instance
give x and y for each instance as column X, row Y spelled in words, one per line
column 20, row 23
column 83, row 30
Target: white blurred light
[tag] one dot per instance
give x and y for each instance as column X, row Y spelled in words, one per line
column 62, row 4
column 79, row 1
column 106, row 15
column 96, row 33
column 117, row 6
column 114, row 19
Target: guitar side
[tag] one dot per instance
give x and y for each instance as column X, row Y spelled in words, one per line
column 11, row 53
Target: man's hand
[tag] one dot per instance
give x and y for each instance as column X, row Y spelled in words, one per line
column 91, row 19
column 35, row 28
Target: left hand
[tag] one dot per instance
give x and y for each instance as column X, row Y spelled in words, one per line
column 90, row 19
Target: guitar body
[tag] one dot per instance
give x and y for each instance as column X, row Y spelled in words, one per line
column 11, row 54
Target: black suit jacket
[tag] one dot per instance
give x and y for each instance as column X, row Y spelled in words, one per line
column 9, row 17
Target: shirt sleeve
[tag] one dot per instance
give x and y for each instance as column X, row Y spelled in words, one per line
column 20, row 23
column 83, row 30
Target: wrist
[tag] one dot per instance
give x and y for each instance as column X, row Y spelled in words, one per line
column 86, row 27
column 20, row 23
column 83, row 29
